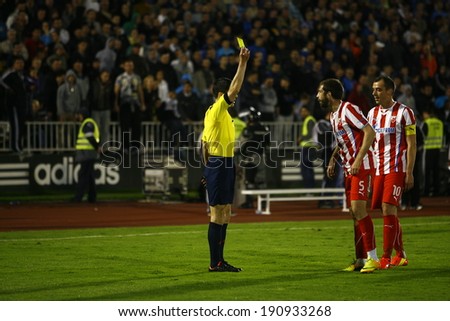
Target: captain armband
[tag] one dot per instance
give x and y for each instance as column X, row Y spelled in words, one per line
column 410, row 130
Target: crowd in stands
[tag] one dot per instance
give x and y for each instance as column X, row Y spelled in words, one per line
column 179, row 47
column 294, row 45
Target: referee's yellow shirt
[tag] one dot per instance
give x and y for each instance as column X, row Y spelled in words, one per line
column 219, row 133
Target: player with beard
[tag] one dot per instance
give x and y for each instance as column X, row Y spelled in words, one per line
column 354, row 137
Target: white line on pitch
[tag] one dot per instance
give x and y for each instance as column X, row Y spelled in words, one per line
column 81, row 237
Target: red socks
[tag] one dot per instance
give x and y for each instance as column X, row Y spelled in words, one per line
column 367, row 233
column 390, row 235
column 360, row 252
column 398, row 242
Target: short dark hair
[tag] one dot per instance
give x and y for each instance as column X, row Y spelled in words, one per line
column 388, row 82
column 334, row 86
column 16, row 58
column 221, row 85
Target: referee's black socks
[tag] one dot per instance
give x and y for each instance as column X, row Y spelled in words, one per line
column 215, row 246
column 223, row 236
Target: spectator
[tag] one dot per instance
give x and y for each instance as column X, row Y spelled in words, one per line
column 394, row 52
column 50, row 87
column 82, row 80
column 442, row 80
column 152, row 60
column 33, row 82
column 170, row 75
column 163, row 86
column 268, row 100
column 34, row 44
column 304, row 100
column 359, row 95
column 38, row 17
column 286, row 101
column 68, row 103
column 16, row 102
column 7, row 46
column 407, row 98
column 202, row 81
column 170, row 116
column 348, row 80
column 259, row 47
column 424, row 98
column 59, row 52
column 183, row 66
column 428, row 60
column 105, row 13
column 140, row 63
column 412, row 35
column 225, row 49
column 129, row 103
column 81, row 54
column 107, row 56
column 101, row 96
column 69, row 97
column 441, row 101
column 90, row 18
column 251, row 92
column 57, row 26
column 188, row 105
column 223, row 68
column 274, row 70
column 151, row 98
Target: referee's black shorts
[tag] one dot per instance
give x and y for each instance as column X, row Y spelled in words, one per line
column 220, row 177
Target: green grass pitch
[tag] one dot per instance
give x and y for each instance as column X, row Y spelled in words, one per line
column 286, row 261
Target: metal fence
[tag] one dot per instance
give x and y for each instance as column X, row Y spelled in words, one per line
column 61, row 136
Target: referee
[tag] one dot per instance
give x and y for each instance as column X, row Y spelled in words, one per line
column 218, row 141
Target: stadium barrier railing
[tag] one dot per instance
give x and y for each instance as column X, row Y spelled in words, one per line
column 55, row 136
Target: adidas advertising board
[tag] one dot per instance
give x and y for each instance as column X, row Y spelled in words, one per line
column 61, row 172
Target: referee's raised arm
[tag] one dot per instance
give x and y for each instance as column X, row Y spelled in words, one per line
column 236, row 83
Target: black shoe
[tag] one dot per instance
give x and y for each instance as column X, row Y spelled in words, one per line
column 224, row 267
column 230, row 267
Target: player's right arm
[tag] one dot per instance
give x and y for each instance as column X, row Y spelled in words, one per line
column 332, row 163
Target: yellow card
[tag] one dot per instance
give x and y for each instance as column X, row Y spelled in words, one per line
column 240, row 42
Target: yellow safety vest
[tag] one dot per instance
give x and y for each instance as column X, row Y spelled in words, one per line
column 434, row 138
column 239, row 126
column 309, row 142
column 82, row 141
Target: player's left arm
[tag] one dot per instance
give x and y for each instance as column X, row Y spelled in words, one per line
column 411, row 148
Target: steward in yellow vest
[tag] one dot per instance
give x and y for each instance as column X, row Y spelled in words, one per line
column 86, row 154
column 433, row 131
column 434, row 136
column 309, row 148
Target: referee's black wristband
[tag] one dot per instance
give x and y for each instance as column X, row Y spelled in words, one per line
column 227, row 99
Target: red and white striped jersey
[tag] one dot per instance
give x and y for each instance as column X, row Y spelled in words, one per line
column 348, row 123
column 390, row 138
